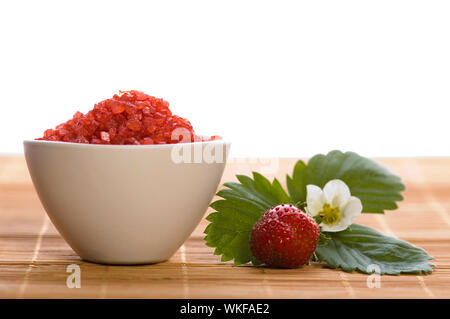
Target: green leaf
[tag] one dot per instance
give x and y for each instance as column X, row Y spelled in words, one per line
column 359, row 246
column 376, row 187
column 297, row 184
column 242, row 205
column 323, row 239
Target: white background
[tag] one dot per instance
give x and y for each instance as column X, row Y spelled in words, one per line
column 277, row 78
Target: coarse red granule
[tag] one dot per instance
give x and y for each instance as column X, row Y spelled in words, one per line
column 130, row 117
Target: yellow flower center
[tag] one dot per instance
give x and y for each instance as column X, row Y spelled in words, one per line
column 330, row 215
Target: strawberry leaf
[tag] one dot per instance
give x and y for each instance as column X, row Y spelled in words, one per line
column 297, row 184
column 376, row 187
column 242, row 205
column 363, row 249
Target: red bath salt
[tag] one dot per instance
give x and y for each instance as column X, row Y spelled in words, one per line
column 130, row 117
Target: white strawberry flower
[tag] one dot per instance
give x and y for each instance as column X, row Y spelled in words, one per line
column 334, row 204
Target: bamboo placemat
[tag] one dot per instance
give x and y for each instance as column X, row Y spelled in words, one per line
column 34, row 258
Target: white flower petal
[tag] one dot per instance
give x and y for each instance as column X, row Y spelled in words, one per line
column 314, row 199
column 349, row 213
column 334, row 228
column 352, row 210
column 336, row 193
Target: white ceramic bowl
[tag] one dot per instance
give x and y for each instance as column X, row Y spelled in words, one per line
column 124, row 204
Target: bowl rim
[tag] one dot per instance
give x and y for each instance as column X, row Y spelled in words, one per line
column 115, row 146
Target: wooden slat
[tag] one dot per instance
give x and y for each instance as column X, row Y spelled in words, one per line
column 33, row 257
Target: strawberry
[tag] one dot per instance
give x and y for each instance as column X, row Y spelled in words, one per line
column 284, row 237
